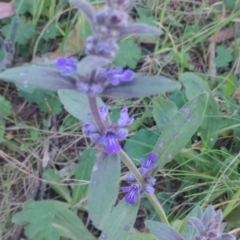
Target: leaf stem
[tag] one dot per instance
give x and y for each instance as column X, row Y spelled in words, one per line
column 128, row 162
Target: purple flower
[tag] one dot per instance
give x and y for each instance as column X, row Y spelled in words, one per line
column 67, row 65
column 150, row 163
column 114, row 133
column 135, row 190
column 118, row 75
column 210, row 227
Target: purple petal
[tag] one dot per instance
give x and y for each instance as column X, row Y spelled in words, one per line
column 127, row 76
column 130, row 178
column 104, row 112
column 124, row 119
column 121, row 134
column 83, row 87
column 227, row 236
column 126, row 189
column 95, row 137
column 61, row 62
column 149, row 189
column 212, row 234
column 218, row 216
column 208, row 215
column 133, row 193
column 152, row 157
column 197, row 223
column 112, row 145
column 89, row 129
column 151, row 181
column 96, row 88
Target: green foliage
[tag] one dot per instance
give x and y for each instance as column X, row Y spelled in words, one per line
column 120, row 221
column 34, row 95
column 164, row 199
column 56, row 183
column 6, row 107
column 52, row 104
column 50, row 33
column 141, row 144
column 163, row 111
column 224, row 56
column 73, row 101
column 83, row 173
column 179, row 130
column 48, row 220
column 103, row 188
column 129, row 54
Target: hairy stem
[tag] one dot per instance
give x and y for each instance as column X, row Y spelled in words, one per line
column 128, row 162
column 94, row 108
column 152, row 198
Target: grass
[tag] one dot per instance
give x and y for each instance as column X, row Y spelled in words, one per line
column 34, row 138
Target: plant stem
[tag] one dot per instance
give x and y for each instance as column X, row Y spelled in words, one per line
column 95, row 112
column 152, row 198
column 128, row 162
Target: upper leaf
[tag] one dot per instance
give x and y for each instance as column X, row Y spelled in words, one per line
column 38, row 76
column 142, row 87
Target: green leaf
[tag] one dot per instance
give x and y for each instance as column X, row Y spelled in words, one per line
column 120, row 221
column 77, row 104
column 83, row 173
column 141, row 236
column 38, row 76
column 6, row 108
column 50, row 33
column 56, row 184
column 163, row 111
column 52, row 103
column 103, row 188
column 34, row 95
column 142, row 87
column 129, row 54
column 224, row 56
column 2, row 129
column 194, row 86
column 49, row 219
column 180, row 129
column 162, row 232
column 141, row 144
column 25, row 33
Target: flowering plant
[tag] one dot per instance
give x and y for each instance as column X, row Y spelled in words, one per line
column 81, row 83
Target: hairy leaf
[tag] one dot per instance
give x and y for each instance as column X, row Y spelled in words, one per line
column 49, row 219
column 194, row 86
column 38, row 76
column 180, row 129
column 120, row 221
column 77, row 105
column 56, row 184
column 103, row 188
column 141, row 236
column 142, row 87
column 83, row 173
column 163, row 111
column 162, row 231
column 2, row 129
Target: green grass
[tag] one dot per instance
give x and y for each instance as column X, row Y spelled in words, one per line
column 200, row 175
